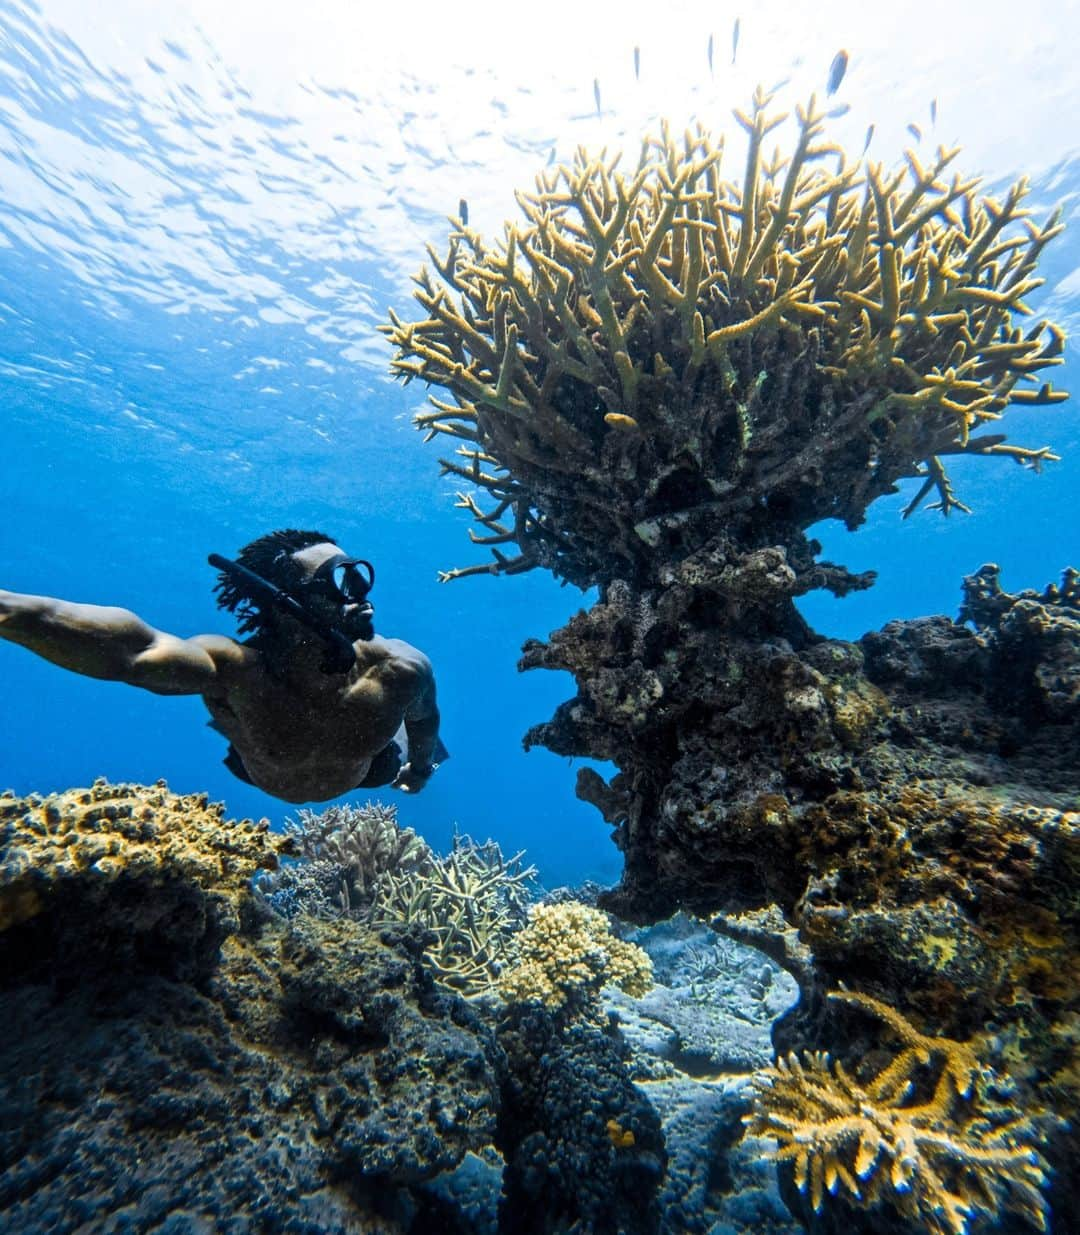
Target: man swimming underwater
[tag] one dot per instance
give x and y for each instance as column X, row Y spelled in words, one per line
column 314, row 703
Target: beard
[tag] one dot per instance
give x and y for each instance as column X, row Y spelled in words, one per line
column 358, row 623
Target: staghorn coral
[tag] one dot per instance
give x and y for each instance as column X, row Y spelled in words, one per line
column 471, row 903
column 343, row 850
column 566, row 955
column 658, row 353
column 922, row 1135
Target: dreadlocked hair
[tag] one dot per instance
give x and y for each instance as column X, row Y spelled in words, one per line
column 269, row 556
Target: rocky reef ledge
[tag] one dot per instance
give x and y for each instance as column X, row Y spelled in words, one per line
column 171, row 1064
column 899, row 815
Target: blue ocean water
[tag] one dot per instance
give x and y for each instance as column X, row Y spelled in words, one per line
column 204, row 215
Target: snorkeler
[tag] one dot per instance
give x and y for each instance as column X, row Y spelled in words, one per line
column 314, row 703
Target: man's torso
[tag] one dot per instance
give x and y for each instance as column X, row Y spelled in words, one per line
column 305, row 735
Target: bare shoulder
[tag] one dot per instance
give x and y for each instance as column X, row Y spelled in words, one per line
column 395, row 665
column 398, row 653
column 226, row 653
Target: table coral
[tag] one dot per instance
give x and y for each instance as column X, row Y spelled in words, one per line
column 660, row 352
column 939, row 1151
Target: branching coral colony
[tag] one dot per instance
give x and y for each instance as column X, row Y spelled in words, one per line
column 659, row 353
column 921, row 1135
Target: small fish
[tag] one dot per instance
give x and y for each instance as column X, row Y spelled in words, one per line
column 637, row 64
column 596, row 93
column 933, row 111
column 837, row 112
column 866, row 144
column 734, row 39
column 463, row 212
column 915, row 132
column 836, row 71
column 709, row 53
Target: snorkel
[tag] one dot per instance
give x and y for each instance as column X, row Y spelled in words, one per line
column 340, row 655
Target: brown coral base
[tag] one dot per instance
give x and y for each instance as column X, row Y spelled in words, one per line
column 909, row 805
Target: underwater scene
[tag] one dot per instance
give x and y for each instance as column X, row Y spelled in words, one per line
column 539, row 618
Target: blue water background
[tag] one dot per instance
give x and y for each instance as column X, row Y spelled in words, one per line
column 201, row 223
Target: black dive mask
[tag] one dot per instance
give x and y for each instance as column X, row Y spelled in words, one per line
column 348, row 580
column 340, row 654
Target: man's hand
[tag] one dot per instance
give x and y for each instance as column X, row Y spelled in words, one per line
column 412, row 780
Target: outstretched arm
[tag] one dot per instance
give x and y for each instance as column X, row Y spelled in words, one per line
column 103, row 642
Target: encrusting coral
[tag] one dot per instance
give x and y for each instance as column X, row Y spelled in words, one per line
column 567, row 954
column 659, row 353
column 134, row 871
column 921, row 1135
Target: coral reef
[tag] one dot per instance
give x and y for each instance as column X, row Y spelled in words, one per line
column 660, row 353
column 358, row 862
column 365, row 841
column 910, row 803
column 711, row 1007
column 124, row 875
column 469, row 905
column 659, row 382
column 306, row 1076
column 566, row 955
column 343, row 851
column 924, row 1135
column 565, row 1168
column 693, row 1055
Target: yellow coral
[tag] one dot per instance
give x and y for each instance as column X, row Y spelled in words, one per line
column 660, row 340
column 621, row 1138
column 566, row 954
column 939, row 1154
column 93, row 837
